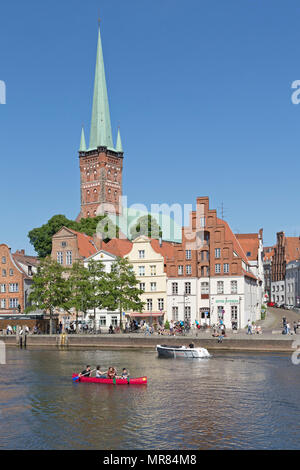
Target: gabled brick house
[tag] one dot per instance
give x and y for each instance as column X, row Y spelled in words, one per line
column 16, row 271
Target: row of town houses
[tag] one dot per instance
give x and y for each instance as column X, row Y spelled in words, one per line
column 212, row 274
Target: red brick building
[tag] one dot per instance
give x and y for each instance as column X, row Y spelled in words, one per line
column 69, row 246
column 210, row 276
column 286, row 249
column 16, row 273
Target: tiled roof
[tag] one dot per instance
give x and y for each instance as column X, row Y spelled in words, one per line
column 86, row 246
column 249, row 243
column 118, row 246
column 249, row 274
column 25, row 259
column 229, row 236
column 292, row 248
column 166, row 249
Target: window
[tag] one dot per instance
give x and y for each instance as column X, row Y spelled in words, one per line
column 174, row 288
column 175, row 313
column 142, row 286
column 220, row 287
column 187, row 287
column 2, row 288
column 160, row 304
column 63, row 244
column 149, row 305
column 3, row 303
column 226, row 268
column 204, row 288
column 180, row 270
column 282, row 287
column 153, row 270
column 114, row 321
column 233, row 312
column 102, row 321
column 218, row 253
column 141, row 253
column 153, row 286
column 14, row 287
column 60, row 258
column 188, row 269
column 248, row 253
column 187, row 314
column 4, row 272
column 3, row 259
column 69, row 258
column 13, row 303
column 234, row 287
column 188, row 254
column 217, row 268
column 11, row 272
column 141, row 270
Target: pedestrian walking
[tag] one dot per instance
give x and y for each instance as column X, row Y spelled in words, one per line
column 295, row 327
column 249, row 332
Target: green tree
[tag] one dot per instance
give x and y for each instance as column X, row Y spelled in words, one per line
column 146, row 225
column 49, row 288
column 78, row 289
column 123, row 292
column 41, row 237
column 98, row 286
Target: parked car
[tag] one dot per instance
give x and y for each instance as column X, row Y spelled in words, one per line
column 270, row 304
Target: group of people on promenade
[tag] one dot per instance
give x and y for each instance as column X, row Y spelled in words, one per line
column 111, row 373
column 287, row 327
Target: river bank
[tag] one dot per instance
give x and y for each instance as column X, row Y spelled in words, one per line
column 238, row 342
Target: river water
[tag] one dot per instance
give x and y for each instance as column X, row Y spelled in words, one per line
column 231, row 401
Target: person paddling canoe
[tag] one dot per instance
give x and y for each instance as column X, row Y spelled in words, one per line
column 86, row 372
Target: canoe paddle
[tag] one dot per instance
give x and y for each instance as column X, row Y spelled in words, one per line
column 76, row 378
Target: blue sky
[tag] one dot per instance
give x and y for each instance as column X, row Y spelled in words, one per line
column 201, row 91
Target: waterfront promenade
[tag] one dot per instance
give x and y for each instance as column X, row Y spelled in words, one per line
column 270, row 340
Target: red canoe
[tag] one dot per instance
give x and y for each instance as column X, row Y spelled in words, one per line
column 136, row 381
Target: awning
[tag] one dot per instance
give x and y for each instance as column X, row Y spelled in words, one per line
column 146, row 314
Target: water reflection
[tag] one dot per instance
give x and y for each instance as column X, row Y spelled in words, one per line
column 230, row 401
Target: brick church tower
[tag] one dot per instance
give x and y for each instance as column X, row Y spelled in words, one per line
column 101, row 164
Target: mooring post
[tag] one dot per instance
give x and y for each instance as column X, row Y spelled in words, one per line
column 18, row 335
column 24, row 336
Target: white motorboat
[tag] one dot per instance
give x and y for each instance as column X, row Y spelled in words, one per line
column 165, row 350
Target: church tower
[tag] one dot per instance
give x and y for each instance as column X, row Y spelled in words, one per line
column 101, row 163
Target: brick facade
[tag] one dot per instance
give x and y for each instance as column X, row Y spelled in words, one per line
column 100, row 181
column 16, row 271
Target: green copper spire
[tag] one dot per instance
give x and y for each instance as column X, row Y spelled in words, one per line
column 82, row 142
column 119, row 147
column 100, row 126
